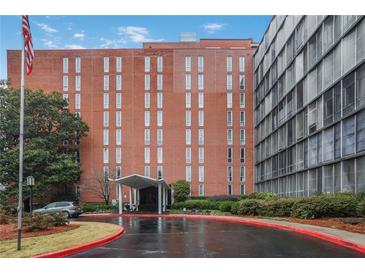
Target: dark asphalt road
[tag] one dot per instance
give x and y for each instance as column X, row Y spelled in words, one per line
column 160, row 237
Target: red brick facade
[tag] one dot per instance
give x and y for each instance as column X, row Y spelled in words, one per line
column 48, row 75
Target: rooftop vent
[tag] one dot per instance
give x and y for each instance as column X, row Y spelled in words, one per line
column 188, row 37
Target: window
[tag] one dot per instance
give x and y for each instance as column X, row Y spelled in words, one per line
column 106, row 155
column 159, row 155
column 77, row 101
column 118, row 118
column 337, row 140
column 147, row 136
column 188, row 136
column 159, row 100
column 159, row 118
column 360, row 41
column 147, row 118
column 118, row 83
column 337, row 101
column 159, row 137
column 188, row 81
column 78, row 83
column 348, row 176
column 65, row 65
column 327, row 36
column 201, row 190
column 201, row 155
column 106, row 82
column 229, row 81
column 159, row 63
column 312, row 51
column 106, row 64
column 360, row 174
column 229, row 99
column 290, row 49
column 328, row 70
column 188, row 173
column 242, row 154
column 360, row 131
column 188, row 118
column 328, row 182
column 147, row 82
column 242, row 174
column 77, row 64
column 229, row 137
column 242, row 100
column 328, row 107
column 159, row 82
column 106, row 137
column 147, row 171
column 188, row 155
column 187, row 63
column 118, row 155
column 159, row 172
column 201, row 174
column 242, row 136
column 312, row 150
column 188, row 100
column 201, row 118
column 242, row 64
column 300, row 155
column 328, row 144
column 147, row 100
column 300, row 125
column 201, row 136
column 348, row 99
column 348, row 136
column 106, row 118
column 229, row 174
column 118, row 172
column 118, row 100
column 200, row 99
column 360, row 85
column 200, row 63
column 290, row 76
column 229, row 155
column 118, row 64
column 242, row 82
column 200, row 81
column 147, row 155
column 347, row 21
column 348, row 51
column 299, row 66
column 312, row 117
column 65, row 83
column 106, row 100
column 118, row 137
column 147, row 63
column 229, row 63
column 229, row 118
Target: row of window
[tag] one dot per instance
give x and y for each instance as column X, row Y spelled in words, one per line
column 118, row 155
column 229, row 63
column 77, row 65
column 118, row 100
column 118, row 118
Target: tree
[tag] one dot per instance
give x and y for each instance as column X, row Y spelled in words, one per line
column 51, row 142
column 99, row 185
column 181, row 190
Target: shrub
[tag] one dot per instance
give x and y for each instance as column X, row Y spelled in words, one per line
column 234, row 208
column 279, row 208
column 37, row 221
column 250, row 207
column 224, row 198
column 226, row 206
column 260, row 196
column 338, row 205
column 196, row 205
column 361, row 208
column 92, row 208
column 4, row 219
column 361, row 196
column 59, row 219
column 181, row 190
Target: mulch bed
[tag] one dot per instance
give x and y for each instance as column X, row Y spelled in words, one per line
column 10, row 232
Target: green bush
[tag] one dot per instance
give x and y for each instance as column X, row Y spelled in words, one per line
column 37, row 221
column 94, row 208
column 361, row 208
column 338, row 205
column 181, row 190
column 250, row 207
column 278, row 208
column 234, row 208
column 260, row 196
column 226, row 206
column 59, row 219
column 196, row 205
column 4, row 219
column 361, row 196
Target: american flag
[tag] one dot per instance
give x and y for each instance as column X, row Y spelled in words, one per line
column 28, row 45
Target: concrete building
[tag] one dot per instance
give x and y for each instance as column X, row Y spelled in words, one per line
column 175, row 111
column 310, row 106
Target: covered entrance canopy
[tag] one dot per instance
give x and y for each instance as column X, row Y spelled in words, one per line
column 137, row 183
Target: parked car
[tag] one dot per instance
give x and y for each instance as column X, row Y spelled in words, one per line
column 69, row 209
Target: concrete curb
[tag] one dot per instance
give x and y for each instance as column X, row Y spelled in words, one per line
column 79, row 248
column 320, row 235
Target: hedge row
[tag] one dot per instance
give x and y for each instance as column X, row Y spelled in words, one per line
column 337, row 205
column 92, row 208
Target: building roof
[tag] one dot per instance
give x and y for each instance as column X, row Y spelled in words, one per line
column 139, row 181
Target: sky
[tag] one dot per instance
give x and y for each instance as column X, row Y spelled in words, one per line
column 78, row 32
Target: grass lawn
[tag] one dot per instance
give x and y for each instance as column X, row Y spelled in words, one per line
column 87, row 232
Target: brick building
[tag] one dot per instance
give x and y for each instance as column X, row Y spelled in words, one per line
column 179, row 110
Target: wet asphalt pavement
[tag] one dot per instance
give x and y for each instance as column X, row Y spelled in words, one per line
column 164, row 237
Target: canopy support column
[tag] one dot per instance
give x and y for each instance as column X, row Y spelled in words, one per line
column 159, row 198
column 120, row 198
column 163, row 199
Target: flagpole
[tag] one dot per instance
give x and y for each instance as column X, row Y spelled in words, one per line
column 21, row 144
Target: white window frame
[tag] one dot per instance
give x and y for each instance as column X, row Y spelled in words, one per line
column 201, row 155
column 147, row 63
column 65, row 97
column 118, row 137
column 147, row 171
column 159, row 155
column 159, row 82
column 242, row 121
column 188, row 99
column 77, row 64
column 106, row 137
column 77, row 101
column 242, row 99
column 159, row 137
column 229, row 136
column 118, row 100
column 159, row 118
column 229, row 62
column 147, row 118
column 106, row 100
column 229, row 174
column 241, row 64
column 147, row 82
column 201, row 136
column 106, row 64
column 65, row 83
column 159, row 99
column 146, row 155
column 65, row 65
column 200, row 81
column 188, row 136
column 77, row 82
column 106, row 155
column 229, row 118
column 201, row 118
column 118, row 172
column 200, row 64
column 187, row 81
column 188, row 118
column 229, row 100
column 201, row 190
column 147, row 136
column 242, row 174
column 201, row 174
column 106, row 82
column 188, row 155
column 118, row 118
column 159, row 63
column 118, row 64
column 118, row 82
column 242, row 136
column 187, row 63
column 188, row 173
column 118, row 155
column 200, row 99
column 242, row 77
column 147, row 100
column 106, row 118
column 229, row 81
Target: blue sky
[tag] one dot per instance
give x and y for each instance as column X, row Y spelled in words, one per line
column 60, row 32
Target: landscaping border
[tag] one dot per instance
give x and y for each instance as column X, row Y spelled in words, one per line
column 320, row 235
column 80, row 248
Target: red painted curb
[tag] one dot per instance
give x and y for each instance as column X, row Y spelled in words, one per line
column 315, row 234
column 79, row 248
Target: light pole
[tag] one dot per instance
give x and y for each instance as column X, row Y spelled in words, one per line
column 30, row 183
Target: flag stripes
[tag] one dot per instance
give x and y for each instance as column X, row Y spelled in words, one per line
column 28, row 45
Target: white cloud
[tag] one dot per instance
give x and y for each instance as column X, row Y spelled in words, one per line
column 111, row 43
column 49, row 44
column 79, row 35
column 46, row 28
column 74, row 46
column 136, row 34
column 213, row 27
